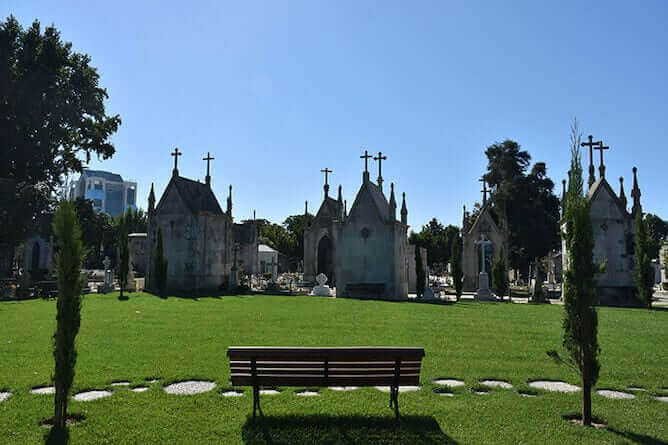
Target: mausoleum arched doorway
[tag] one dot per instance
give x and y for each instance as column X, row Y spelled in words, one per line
column 326, row 259
column 34, row 260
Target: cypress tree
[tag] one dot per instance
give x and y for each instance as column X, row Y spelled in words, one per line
column 160, row 266
column 419, row 272
column 123, row 251
column 456, row 262
column 580, row 321
column 643, row 272
column 500, row 276
column 68, row 319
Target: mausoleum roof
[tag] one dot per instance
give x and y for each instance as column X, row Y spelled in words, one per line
column 197, row 196
column 602, row 184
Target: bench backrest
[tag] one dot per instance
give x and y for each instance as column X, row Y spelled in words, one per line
column 356, row 366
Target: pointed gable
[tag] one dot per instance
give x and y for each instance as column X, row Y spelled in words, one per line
column 371, row 193
column 484, row 222
column 600, row 191
column 328, row 209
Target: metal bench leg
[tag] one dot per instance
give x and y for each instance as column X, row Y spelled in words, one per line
column 396, row 403
column 256, row 399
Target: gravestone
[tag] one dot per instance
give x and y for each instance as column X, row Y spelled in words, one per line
column 321, row 290
column 483, row 292
column 108, row 284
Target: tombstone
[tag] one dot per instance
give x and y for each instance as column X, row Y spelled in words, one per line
column 428, row 293
column 321, row 290
column 108, row 284
column 483, row 292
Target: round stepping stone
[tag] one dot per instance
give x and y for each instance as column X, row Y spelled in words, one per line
column 527, row 394
column 4, row 396
column 307, row 393
column 343, row 388
column 269, row 392
column 43, row 390
column 552, row 385
column 496, row 384
column 637, row 388
column 610, row 394
column 401, row 388
column 452, row 383
column 232, row 393
column 443, row 392
column 481, row 391
column 189, row 387
column 152, row 381
column 120, row 383
column 87, row 396
column 663, row 399
column 140, row 389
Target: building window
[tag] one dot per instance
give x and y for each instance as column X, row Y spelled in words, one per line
column 97, row 203
column 98, row 185
column 89, row 184
column 130, row 201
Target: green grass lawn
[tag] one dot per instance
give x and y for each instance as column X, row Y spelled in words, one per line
column 176, row 339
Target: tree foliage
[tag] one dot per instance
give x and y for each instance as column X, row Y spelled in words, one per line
column 123, row 251
column 523, row 204
column 438, row 240
column 581, row 318
column 643, row 271
column 500, row 275
column 657, row 231
column 287, row 238
column 68, row 319
column 419, row 273
column 456, row 263
column 52, row 110
column 160, row 264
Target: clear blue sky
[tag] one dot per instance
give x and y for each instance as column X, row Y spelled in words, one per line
column 278, row 90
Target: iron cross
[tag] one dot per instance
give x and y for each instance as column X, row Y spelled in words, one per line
column 601, row 168
column 380, row 158
column 591, row 144
column 484, row 190
column 366, row 156
column 326, row 171
column 208, row 159
column 176, row 155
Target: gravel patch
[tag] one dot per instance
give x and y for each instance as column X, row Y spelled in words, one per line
column 663, row 399
column 4, row 396
column 91, row 395
column 232, row 393
column 453, row 383
column 307, row 393
column 189, row 387
column 120, row 383
column 551, row 385
column 43, row 390
column 343, row 388
column 610, row 394
column 497, row 384
column 401, row 388
column 140, row 389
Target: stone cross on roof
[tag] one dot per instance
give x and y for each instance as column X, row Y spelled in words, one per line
column 326, row 171
column 601, row 168
column 176, row 155
column 380, row 158
column 484, row 190
column 208, row 159
column 591, row 144
column 366, row 156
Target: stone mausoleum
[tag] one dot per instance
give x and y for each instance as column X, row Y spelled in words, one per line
column 613, row 233
column 364, row 252
column 205, row 249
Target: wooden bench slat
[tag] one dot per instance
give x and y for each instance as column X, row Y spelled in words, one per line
column 318, row 380
column 321, row 371
column 331, row 354
column 321, row 363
